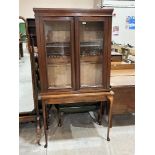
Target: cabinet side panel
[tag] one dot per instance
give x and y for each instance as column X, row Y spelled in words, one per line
column 109, row 52
column 105, row 54
column 42, row 65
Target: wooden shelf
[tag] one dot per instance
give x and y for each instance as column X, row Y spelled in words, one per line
column 58, row 45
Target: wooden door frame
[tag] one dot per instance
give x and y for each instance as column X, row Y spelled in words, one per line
column 106, row 58
column 42, row 53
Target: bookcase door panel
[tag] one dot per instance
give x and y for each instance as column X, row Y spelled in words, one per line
column 91, row 51
column 59, row 52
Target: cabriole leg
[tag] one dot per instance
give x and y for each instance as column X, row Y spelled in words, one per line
column 100, row 113
column 44, row 121
column 109, row 116
column 38, row 130
column 47, row 117
column 59, row 118
column 38, row 122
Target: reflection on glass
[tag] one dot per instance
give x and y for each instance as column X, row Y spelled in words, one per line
column 91, row 48
column 58, row 46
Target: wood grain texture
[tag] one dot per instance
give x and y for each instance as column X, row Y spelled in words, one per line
column 99, row 69
column 124, row 100
column 72, row 12
column 73, row 98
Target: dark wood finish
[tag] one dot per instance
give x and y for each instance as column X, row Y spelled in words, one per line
column 124, row 99
column 100, row 113
column 104, row 51
column 21, row 54
column 31, row 115
column 32, row 43
column 123, row 84
column 31, row 31
column 35, row 87
column 77, row 54
column 76, row 93
column 58, row 12
column 45, row 121
column 42, row 16
column 27, row 117
column 116, row 57
column 110, row 98
column 74, row 98
column 109, row 31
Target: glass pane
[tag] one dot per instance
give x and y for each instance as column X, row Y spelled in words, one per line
column 91, row 53
column 58, row 50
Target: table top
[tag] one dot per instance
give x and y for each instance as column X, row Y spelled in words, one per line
column 115, row 53
column 122, row 77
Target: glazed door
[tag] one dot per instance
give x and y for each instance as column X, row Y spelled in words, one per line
column 91, row 52
column 59, row 52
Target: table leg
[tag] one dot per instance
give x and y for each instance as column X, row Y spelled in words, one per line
column 109, row 116
column 100, row 113
column 38, row 130
column 38, row 122
column 44, row 121
column 46, row 117
column 59, row 118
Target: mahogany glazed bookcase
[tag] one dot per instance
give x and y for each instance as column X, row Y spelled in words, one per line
column 74, row 48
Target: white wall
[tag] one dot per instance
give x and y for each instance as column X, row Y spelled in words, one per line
column 122, row 9
column 125, row 36
column 26, row 6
